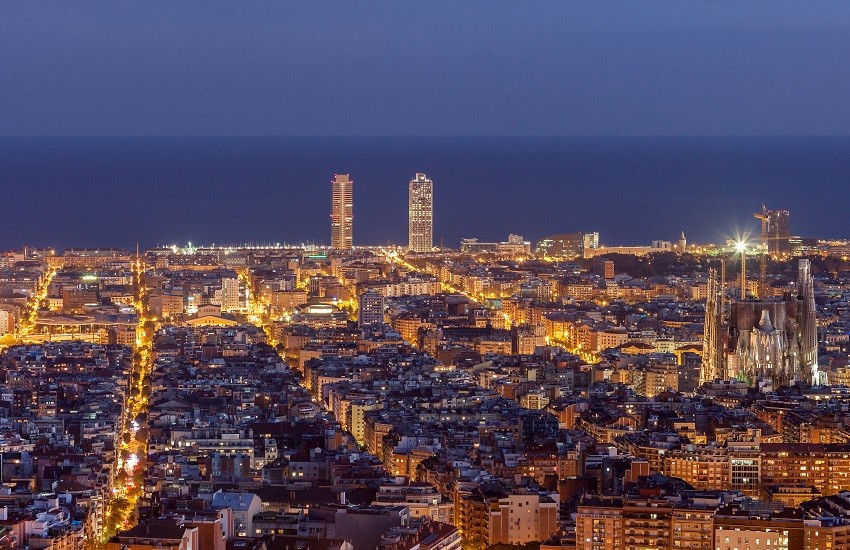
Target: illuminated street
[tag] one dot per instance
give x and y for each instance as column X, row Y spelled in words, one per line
column 27, row 322
column 128, row 480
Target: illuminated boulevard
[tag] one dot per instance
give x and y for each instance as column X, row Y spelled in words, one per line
column 128, row 482
column 26, row 325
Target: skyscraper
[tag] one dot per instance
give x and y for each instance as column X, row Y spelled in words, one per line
column 342, row 211
column 421, row 214
column 778, row 232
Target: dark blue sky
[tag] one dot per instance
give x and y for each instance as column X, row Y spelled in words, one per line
column 424, row 68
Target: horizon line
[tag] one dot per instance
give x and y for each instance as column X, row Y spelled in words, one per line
column 420, row 136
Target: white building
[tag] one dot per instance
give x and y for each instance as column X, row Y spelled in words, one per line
column 244, row 505
column 422, row 499
column 7, row 322
column 230, row 294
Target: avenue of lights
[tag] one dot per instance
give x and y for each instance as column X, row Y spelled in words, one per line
column 131, row 458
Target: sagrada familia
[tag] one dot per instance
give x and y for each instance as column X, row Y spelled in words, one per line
column 766, row 342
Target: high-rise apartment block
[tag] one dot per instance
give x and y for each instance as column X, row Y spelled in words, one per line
column 603, row 268
column 7, row 322
column 589, row 240
column 230, row 295
column 421, row 214
column 342, row 212
column 371, row 308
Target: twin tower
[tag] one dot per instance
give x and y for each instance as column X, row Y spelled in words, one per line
column 420, row 212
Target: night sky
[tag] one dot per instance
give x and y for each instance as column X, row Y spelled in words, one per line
column 424, row 68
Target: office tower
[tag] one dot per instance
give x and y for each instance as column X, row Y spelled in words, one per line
column 371, row 308
column 778, row 232
column 421, row 214
column 342, row 212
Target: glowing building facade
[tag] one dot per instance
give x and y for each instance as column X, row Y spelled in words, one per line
column 342, row 212
column 371, row 309
column 567, row 245
column 421, row 214
column 765, row 342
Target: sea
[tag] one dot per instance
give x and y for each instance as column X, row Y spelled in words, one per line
column 117, row 191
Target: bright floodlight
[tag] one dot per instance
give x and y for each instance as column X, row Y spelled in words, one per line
column 740, row 246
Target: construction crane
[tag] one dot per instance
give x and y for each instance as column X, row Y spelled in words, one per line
column 722, row 283
column 762, row 289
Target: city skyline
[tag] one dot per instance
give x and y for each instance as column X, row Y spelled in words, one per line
column 478, row 275
column 78, row 197
column 777, row 238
